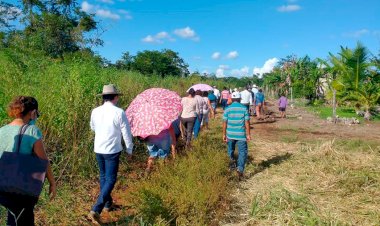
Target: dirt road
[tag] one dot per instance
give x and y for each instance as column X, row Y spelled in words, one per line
column 277, row 140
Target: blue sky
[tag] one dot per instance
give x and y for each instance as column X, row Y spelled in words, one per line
column 235, row 37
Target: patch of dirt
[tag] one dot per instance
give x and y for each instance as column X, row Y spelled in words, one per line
column 274, row 140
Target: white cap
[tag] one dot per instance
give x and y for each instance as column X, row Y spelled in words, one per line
column 235, row 95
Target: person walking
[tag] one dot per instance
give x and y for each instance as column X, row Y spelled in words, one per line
column 246, row 97
column 236, row 131
column 213, row 101
column 110, row 124
column 216, row 93
column 282, row 104
column 225, row 95
column 207, row 110
column 24, row 111
column 188, row 115
column 159, row 146
column 259, row 102
column 198, row 120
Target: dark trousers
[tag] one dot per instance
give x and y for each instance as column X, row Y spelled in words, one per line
column 224, row 103
column 108, row 168
column 20, row 209
column 188, row 123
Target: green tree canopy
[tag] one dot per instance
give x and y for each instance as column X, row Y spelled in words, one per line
column 149, row 62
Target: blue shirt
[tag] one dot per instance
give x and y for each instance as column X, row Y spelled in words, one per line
column 236, row 115
column 212, row 97
column 8, row 134
column 259, row 98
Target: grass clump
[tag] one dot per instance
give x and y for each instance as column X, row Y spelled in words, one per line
column 188, row 190
column 284, row 206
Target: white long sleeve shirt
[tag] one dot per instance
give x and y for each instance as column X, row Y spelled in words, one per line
column 246, row 97
column 110, row 123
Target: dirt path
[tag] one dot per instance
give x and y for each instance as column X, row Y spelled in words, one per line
column 274, row 142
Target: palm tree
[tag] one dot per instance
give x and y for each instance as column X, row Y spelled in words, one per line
column 352, row 71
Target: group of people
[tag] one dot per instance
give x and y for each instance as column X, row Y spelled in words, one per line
column 110, row 125
column 252, row 98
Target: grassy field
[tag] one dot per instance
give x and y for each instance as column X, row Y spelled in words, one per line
column 326, row 111
column 304, row 171
column 66, row 91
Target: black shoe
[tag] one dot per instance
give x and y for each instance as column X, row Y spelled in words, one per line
column 113, row 207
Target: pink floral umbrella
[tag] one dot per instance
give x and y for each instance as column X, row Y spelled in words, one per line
column 153, row 111
column 201, row 87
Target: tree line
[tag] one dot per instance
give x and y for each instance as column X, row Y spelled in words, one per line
column 349, row 78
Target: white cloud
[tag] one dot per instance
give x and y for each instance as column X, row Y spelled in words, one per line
column 267, row 67
column 288, row 8
column 160, row 37
column 127, row 15
column 242, row 72
column 224, row 67
column 357, row 34
column 186, row 33
column 148, row 39
column 232, row 55
column 107, row 1
column 107, row 14
column 216, row 55
column 87, row 7
column 219, row 73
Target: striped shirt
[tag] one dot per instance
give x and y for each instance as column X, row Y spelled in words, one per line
column 225, row 94
column 236, row 115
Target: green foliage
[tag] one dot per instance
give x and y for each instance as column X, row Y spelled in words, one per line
column 56, row 27
column 188, row 190
column 66, row 91
column 356, row 81
column 153, row 62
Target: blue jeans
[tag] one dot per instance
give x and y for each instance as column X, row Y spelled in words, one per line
column 197, row 125
column 108, row 167
column 243, row 152
column 224, row 103
column 213, row 105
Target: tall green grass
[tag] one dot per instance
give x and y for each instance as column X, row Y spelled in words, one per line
column 66, row 92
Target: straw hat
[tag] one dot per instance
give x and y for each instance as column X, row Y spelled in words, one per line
column 109, row 90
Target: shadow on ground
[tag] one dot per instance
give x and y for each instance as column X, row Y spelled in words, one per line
column 275, row 160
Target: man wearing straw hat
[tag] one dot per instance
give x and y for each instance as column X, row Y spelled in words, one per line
column 110, row 124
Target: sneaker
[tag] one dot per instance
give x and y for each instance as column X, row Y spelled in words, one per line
column 94, row 217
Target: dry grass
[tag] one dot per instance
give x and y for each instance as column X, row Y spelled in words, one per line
column 327, row 183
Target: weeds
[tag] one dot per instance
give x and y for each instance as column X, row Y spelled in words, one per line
column 66, row 91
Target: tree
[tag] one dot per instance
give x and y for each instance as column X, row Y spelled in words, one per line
column 125, row 63
column 162, row 63
column 356, row 77
column 55, row 26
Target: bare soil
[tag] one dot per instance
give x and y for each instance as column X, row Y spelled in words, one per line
column 274, row 141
